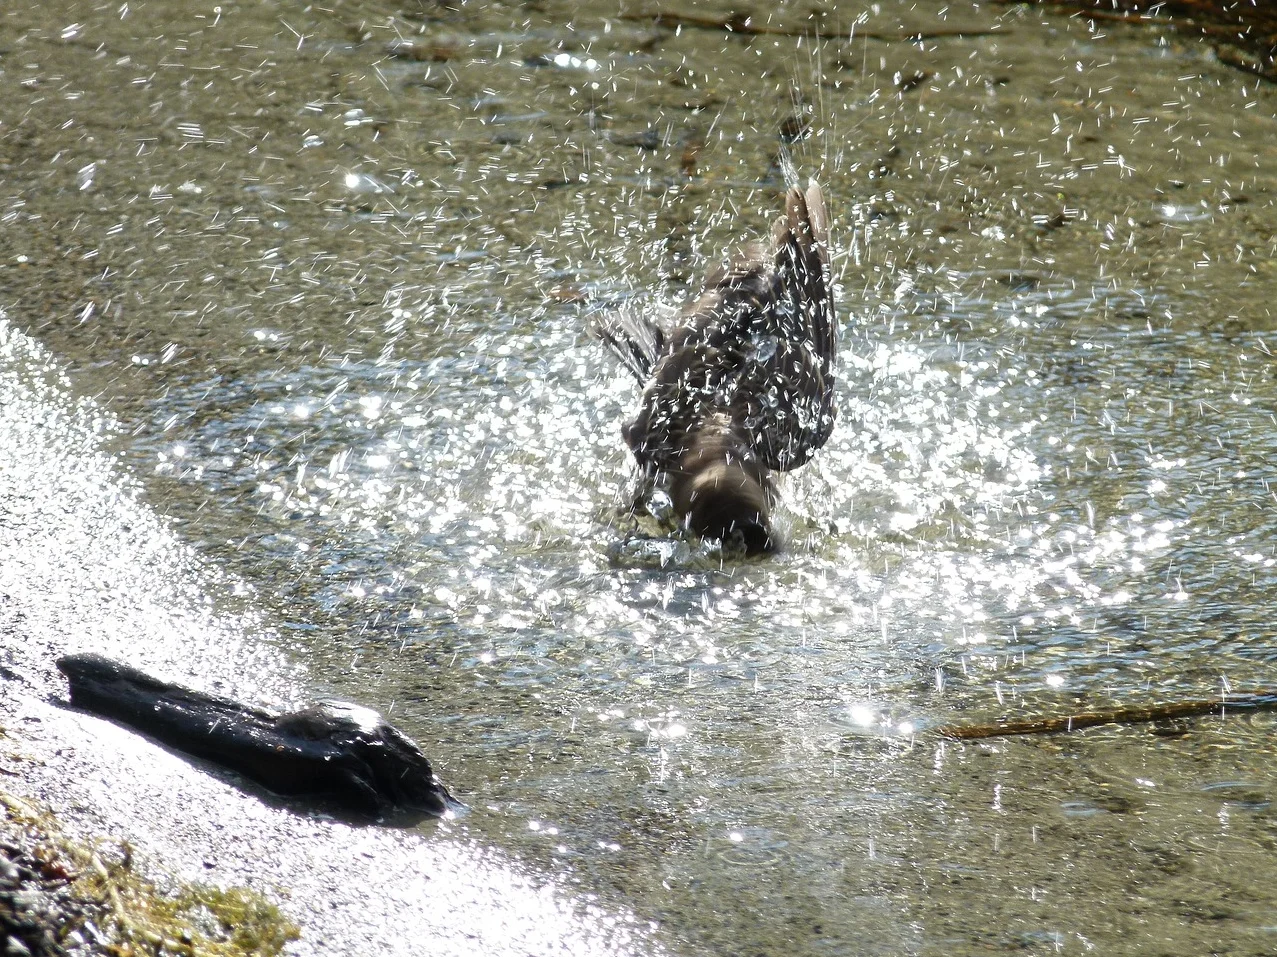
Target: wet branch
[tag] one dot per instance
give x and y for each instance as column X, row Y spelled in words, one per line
column 744, row 24
column 1251, row 28
column 1266, row 701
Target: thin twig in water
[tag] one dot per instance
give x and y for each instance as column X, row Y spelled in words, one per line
column 744, row 24
column 1266, row 701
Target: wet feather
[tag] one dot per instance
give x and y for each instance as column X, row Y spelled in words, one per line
column 741, row 384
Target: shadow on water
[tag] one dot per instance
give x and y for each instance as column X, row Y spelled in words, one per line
column 343, row 336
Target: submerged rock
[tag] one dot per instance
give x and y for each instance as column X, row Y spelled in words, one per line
column 330, row 750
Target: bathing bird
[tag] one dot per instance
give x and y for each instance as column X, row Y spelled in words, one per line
column 738, row 384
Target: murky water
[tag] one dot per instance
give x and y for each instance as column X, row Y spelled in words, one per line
column 329, row 287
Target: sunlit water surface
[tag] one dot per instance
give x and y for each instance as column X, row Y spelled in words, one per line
column 1048, row 490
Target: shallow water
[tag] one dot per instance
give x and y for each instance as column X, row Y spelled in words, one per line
column 332, row 300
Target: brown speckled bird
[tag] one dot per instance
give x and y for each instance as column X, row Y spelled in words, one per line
column 741, row 384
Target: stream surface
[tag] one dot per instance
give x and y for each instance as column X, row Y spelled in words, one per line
column 298, row 400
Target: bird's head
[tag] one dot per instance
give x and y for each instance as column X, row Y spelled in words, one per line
column 725, row 494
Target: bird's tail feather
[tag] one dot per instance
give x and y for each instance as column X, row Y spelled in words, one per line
column 802, row 266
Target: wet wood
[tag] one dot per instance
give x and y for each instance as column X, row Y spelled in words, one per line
column 1244, row 31
column 747, row 25
column 330, row 751
column 419, row 52
column 1134, row 715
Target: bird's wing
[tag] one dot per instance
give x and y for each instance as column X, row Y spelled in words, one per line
column 684, row 389
column 697, row 356
column 785, row 389
column 758, row 344
column 634, row 334
column 728, row 311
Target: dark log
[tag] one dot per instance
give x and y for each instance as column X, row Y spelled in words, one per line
column 1090, row 719
column 331, row 751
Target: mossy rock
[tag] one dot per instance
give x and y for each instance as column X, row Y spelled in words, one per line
column 104, row 897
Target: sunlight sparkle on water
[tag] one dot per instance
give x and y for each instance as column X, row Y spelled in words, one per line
column 863, row 715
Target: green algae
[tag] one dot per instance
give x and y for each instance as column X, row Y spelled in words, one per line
column 128, row 914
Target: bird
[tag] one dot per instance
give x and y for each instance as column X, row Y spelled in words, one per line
column 738, row 384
